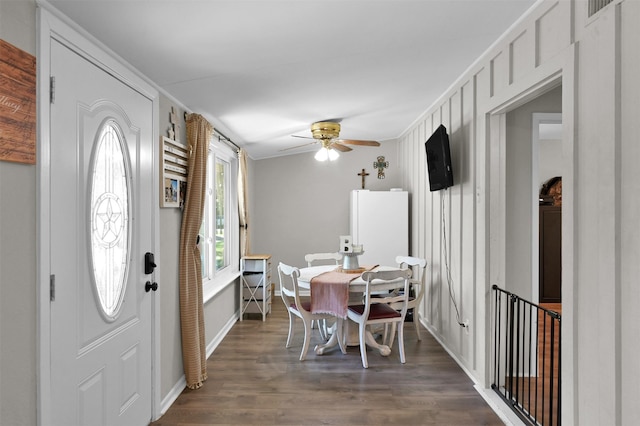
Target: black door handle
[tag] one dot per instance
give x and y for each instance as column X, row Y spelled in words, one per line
column 149, row 263
column 150, row 286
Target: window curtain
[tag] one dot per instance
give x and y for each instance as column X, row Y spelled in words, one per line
column 242, row 203
column 199, row 133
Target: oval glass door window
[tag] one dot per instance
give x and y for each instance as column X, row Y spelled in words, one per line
column 109, row 219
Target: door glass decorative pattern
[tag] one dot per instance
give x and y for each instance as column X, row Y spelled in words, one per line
column 109, row 219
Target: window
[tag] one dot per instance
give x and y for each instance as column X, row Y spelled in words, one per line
column 220, row 227
column 109, row 218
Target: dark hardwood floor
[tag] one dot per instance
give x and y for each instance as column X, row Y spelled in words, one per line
column 255, row 380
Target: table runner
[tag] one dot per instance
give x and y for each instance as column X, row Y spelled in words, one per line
column 330, row 291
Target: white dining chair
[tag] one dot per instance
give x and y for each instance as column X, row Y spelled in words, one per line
column 296, row 307
column 416, row 291
column 323, row 259
column 326, row 258
column 371, row 312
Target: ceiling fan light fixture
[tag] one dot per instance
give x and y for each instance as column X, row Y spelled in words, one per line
column 325, row 154
column 333, row 155
column 322, row 154
column 325, row 130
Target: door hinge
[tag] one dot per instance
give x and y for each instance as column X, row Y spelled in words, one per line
column 52, row 89
column 52, row 288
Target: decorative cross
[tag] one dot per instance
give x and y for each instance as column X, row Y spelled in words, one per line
column 363, row 174
column 380, row 164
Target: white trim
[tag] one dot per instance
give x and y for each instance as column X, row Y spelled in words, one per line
column 172, row 395
column 52, row 25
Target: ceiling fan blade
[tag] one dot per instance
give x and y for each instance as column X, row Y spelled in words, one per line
column 298, row 146
column 358, row 142
column 302, row 137
column 340, row 147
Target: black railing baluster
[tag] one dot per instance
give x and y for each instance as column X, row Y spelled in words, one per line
column 526, row 353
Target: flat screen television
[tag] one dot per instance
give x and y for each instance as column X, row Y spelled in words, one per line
column 439, row 160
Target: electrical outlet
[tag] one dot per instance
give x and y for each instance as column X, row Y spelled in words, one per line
column 466, row 326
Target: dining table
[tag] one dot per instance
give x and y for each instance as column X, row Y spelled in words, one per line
column 356, row 288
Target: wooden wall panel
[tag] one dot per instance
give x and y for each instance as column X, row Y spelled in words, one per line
column 17, row 105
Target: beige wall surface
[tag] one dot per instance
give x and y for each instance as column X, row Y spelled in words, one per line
column 18, row 385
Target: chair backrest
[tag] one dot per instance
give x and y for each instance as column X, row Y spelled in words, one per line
column 391, row 280
column 325, row 258
column 289, row 290
column 417, row 266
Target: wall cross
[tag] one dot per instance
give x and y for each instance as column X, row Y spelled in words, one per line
column 363, row 174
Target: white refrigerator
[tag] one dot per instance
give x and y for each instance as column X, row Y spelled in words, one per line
column 380, row 222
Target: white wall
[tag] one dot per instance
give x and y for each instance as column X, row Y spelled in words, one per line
column 550, row 163
column 595, row 59
column 18, row 253
column 628, row 291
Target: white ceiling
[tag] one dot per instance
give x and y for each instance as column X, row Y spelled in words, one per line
column 264, row 70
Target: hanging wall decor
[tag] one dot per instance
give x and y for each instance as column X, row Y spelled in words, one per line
column 380, row 164
column 17, row 105
column 174, row 170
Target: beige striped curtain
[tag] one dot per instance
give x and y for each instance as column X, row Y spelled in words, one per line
column 199, row 132
column 243, row 207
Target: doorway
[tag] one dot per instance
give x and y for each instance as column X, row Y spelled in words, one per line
column 529, row 159
column 98, row 201
column 546, row 225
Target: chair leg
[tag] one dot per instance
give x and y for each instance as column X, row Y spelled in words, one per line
column 307, row 339
column 322, row 328
column 291, row 329
column 392, row 335
column 385, row 334
column 416, row 323
column 339, row 330
column 401, row 341
column 363, row 345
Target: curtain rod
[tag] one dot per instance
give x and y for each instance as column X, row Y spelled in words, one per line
column 221, row 136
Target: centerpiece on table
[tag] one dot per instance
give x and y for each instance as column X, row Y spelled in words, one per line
column 350, row 254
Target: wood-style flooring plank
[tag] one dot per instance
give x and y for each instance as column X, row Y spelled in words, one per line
column 255, row 380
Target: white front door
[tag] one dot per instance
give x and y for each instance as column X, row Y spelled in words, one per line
column 101, row 186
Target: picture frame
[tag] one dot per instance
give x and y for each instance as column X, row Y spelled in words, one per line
column 173, row 191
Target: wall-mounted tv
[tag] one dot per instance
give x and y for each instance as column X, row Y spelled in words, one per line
column 439, row 160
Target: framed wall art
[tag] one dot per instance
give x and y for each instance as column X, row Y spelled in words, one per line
column 17, row 105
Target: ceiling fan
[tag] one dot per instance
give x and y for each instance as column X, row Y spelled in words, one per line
column 326, row 133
